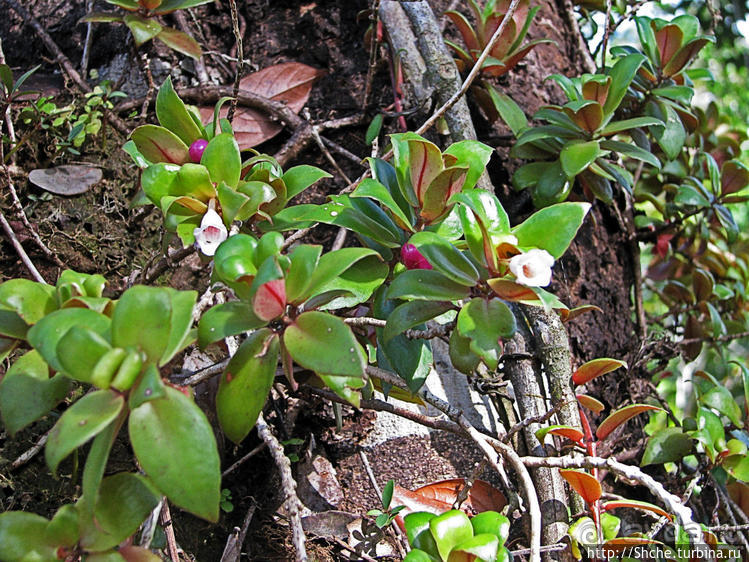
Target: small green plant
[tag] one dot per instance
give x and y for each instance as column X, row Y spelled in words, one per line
column 225, row 501
column 385, row 515
column 140, row 17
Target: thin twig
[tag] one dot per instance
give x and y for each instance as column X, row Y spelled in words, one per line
column 293, row 505
column 89, row 38
column 165, row 518
column 31, row 453
column 374, row 22
column 243, row 460
column 528, row 421
column 25, row 259
column 474, row 71
column 240, row 56
column 437, row 331
column 606, row 32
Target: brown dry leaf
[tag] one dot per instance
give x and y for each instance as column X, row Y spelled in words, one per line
column 72, row 179
column 288, row 82
column 438, row 497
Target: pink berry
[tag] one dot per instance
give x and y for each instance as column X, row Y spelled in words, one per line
column 413, row 259
column 196, row 150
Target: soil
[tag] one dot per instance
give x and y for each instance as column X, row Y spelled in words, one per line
column 99, row 232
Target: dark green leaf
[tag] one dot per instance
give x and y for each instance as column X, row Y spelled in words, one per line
column 299, row 178
column 143, row 29
column 375, row 190
column 82, row 421
column 426, row 284
column 180, row 42
column 411, row 314
column 245, row 384
column 174, row 444
column 484, row 322
column 577, row 156
column 721, row 399
column 445, row 257
column 631, row 150
column 223, row 160
column 373, row 131
column 622, row 74
column 666, row 445
column 32, row 301
column 633, row 123
column 508, row 110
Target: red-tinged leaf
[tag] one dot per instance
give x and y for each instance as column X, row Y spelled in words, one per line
column 595, row 368
column 621, row 416
column 180, row 42
column 270, row 300
column 150, row 4
column 739, row 493
column 465, row 29
column 588, row 117
column 511, row 62
column 584, row 484
column 570, row 314
column 502, row 45
column 138, row 554
column 663, row 244
column 668, row 39
column 425, row 163
column 614, row 504
column 596, row 91
column 570, row 433
column 734, row 176
column 439, row 192
column 593, row 404
column 693, row 331
column 620, row 544
column 511, row 291
column 288, row 82
column 158, row 144
column 684, row 55
column 438, row 497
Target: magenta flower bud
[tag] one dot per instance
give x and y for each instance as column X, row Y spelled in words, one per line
column 412, row 258
column 196, row 150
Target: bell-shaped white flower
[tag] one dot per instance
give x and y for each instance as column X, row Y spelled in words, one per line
column 211, row 232
column 532, row 268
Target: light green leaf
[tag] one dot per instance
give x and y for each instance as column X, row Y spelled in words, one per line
column 552, row 228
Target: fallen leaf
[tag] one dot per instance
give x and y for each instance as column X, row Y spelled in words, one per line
column 73, row 179
column 288, row 82
column 329, row 523
column 438, row 497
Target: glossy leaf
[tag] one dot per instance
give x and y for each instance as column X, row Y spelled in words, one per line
column 734, row 177
column 576, row 157
column 425, row 164
column 419, row 535
column 82, row 421
column 485, row 322
column 552, row 228
column 331, row 265
column 245, row 384
column 666, row 445
column 313, row 331
column 79, row 350
column 351, row 287
column 45, row 334
column 158, row 144
column 413, row 313
column 27, row 392
column 620, row 416
column 584, row 484
column 31, row 301
column 227, row 319
column 173, row 442
column 124, row 502
column 626, row 124
column 223, row 160
column 591, row 403
column 449, row 530
column 143, row 29
column 473, row 154
column 511, row 291
column 492, row 523
column 149, row 387
column 173, row 115
column 720, row 398
column 426, row 284
column 445, row 258
column 622, row 74
column 299, row 178
column 595, row 368
column 461, row 355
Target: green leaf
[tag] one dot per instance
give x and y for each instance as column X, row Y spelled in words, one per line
column 411, row 314
column 484, row 322
column 158, row 144
column 721, row 399
column 473, row 154
column 633, row 123
column 610, row 525
column 149, row 387
column 20, row 534
column 450, row 529
column 143, row 29
column 330, row 266
column 425, row 164
column 528, row 175
column 461, row 356
column 82, row 421
column 245, row 384
column 647, row 39
column 124, row 502
column 96, row 463
column 32, row 301
column 63, row 528
column 174, row 444
column 299, row 178
column 577, row 156
column 508, row 110
column 355, row 285
column 482, row 547
column 304, row 260
column 417, row 555
column 622, row 74
column 426, row 284
column 632, row 151
column 487, row 209
column 552, row 228
column 27, row 392
column 170, row 5
column 373, row 130
column 419, row 534
column 313, row 331
column 180, row 42
column 375, row 190
column 445, row 258
column 194, row 181
column 553, row 186
column 666, row 445
column 173, row 115
column 493, row 523
column 234, row 258
column 227, row 319
column 45, row 334
column 79, row 350
column 223, row 160
column 671, row 134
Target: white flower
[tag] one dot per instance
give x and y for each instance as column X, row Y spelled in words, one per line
column 533, row 268
column 210, row 233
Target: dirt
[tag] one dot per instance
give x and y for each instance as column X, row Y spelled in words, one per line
column 99, row 232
